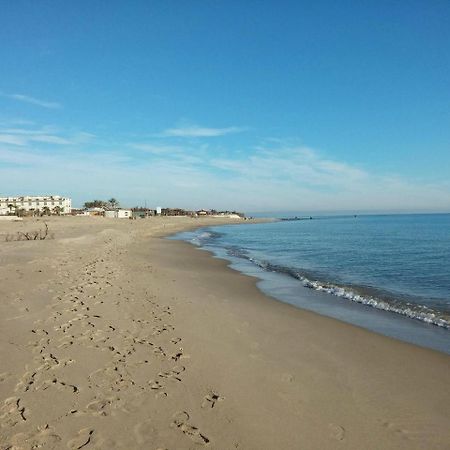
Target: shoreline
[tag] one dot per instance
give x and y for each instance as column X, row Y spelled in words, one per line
column 374, row 367
column 167, row 347
column 284, row 287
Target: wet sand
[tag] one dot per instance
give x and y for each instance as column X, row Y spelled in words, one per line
column 114, row 338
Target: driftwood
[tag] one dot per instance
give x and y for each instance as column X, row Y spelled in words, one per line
column 36, row 235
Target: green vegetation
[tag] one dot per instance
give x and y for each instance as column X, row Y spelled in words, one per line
column 112, row 203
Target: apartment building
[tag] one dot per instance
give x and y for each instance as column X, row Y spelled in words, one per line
column 55, row 204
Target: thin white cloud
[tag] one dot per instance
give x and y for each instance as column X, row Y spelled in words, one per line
column 45, row 135
column 83, row 137
column 34, row 101
column 26, row 139
column 184, row 155
column 156, row 149
column 298, row 165
column 29, row 131
column 13, row 139
column 196, row 131
column 15, row 122
column 49, row 139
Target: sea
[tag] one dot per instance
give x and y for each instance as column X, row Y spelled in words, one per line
column 386, row 273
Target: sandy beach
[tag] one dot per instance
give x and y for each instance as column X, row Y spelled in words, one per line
column 112, row 337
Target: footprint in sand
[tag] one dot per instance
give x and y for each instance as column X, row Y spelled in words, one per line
column 210, row 400
column 173, row 374
column 180, row 421
column 4, row 376
column 84, row 438
column 337, row 432
column 100, row 407
column 44, row 438
column 26, row 382
column 411, row 427
column 158, row 388
column 104, row 378
column 12, row 412
column 179, row 355
column 287, row 378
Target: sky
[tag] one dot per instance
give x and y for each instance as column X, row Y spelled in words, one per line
column 241, row 105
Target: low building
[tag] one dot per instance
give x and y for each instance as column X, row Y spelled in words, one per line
column 140, row 212
column 174, row 212
column 124, row 213
column 52, row 204
column 119, row 214
column 79, row 212
column 95, row 211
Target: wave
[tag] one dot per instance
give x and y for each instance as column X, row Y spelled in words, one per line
column 203, row 237
column 352, row 293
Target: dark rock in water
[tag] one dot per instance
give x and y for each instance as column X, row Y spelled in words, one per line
column 289, row 219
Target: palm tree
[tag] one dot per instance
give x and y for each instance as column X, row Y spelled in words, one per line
column 113, row 203
column 95, row 204
column 57, row 210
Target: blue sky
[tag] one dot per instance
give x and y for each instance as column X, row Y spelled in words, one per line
column 250, row 105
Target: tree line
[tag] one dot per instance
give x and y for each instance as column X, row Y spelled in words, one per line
column 112, row 203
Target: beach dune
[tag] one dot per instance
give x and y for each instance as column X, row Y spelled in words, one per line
column 112, row 337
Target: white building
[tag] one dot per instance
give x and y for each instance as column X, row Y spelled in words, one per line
column 55, row 204
column 95, row 211
column 119, row 214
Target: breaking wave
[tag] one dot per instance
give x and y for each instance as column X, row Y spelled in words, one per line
column 203, row 237
column 353, row 293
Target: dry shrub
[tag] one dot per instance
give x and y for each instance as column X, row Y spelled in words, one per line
column 36, row 235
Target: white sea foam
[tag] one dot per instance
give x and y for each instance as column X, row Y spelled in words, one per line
column 200, row 238
column 413, row 311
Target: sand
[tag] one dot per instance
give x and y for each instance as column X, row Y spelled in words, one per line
column 114, row 338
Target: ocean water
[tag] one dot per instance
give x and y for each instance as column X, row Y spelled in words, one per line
column 388, row 273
